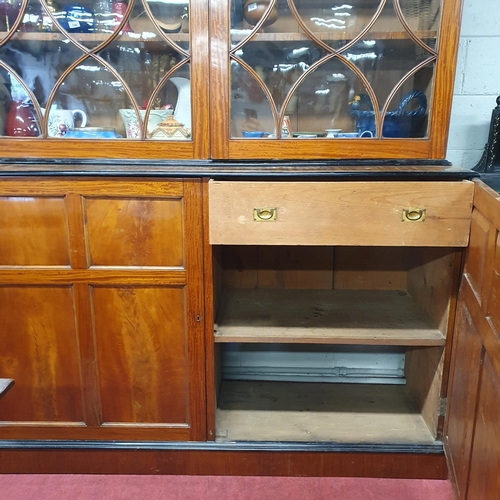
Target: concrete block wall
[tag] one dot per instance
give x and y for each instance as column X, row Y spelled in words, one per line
column 477, row 82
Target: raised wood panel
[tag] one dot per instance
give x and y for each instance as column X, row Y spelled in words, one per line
column 478, row 249
column 40, row 352
column 134, row 232
column 472, row 429
column 340, row 213
column 33, row 231
column 494, row 291
column 141, row 342
column 462, row 396
column 484, row 480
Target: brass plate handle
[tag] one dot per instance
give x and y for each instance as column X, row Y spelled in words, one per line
column 265, row 214
column 413, row 214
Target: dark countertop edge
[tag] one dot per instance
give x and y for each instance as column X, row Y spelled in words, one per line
column 369, row 169
column 435, row 448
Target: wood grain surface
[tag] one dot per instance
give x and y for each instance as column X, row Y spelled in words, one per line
column 343, row 213
column 473, row 431
column 114, row 351
column 325, row 317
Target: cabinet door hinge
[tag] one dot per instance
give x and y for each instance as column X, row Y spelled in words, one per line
column 442, row 406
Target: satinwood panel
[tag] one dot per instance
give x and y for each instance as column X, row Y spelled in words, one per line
column 141, row 343
column 462, row 395
column 33, row 231
column 494, row 290
column 39, row 350
column 473, row 428
column 114, row 351
column 485, row 463
column 134, row 231
column 478, row 248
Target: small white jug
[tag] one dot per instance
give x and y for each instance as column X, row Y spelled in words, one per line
column 61, row 120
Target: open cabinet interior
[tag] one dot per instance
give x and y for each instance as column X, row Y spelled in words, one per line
column 325, row 344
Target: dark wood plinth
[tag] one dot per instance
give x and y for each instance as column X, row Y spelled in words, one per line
column 208, row 461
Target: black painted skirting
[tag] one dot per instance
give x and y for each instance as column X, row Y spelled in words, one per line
column 436, row 448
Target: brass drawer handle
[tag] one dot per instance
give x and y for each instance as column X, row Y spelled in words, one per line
column 264, row 214
column 414, row 215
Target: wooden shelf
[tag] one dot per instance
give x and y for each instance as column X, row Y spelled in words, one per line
column 324, row 317
column 346, row 413
column 96, row 37
column 239, row 35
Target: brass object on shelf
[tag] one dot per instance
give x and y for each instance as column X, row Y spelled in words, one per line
column 253, row 10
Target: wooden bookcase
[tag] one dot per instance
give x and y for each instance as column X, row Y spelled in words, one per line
column 129, row 268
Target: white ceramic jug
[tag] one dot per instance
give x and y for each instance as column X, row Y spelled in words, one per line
column 61, row 120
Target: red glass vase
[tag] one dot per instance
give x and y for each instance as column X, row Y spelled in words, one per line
column 21, row 120
column 119, row 9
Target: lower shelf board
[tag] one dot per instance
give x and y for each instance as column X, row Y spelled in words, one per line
column 343, row 413
column 375, row 317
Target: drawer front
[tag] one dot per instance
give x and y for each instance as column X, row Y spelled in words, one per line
column 340, row 213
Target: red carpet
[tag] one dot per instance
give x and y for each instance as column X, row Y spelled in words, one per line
column 94, row 487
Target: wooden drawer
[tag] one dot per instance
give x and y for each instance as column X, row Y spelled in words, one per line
column 340, row 213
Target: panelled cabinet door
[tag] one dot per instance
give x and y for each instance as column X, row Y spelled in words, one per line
column 104, row 78
column 314, row 79
column 100, row 310
column 472, row 431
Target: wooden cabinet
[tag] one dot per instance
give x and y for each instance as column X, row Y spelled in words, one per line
column 132, row 288
column 292, row 285
column 294, row 81
column 101, row 309
column 315, row 73
column 472, row 433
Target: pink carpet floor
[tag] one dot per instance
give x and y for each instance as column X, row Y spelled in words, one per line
column 112, row 487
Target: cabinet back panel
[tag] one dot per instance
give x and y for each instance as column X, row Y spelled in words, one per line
column 314, row 268
column 370, row 268
column 278, row 267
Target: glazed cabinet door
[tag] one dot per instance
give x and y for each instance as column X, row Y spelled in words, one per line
column 472, row 433
column 101, row 310
column 106, row 78
column 315, row 79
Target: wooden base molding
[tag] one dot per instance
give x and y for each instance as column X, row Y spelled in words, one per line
column 410, row 462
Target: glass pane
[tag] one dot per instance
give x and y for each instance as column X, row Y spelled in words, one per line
column 80, row 64
column 336, row 22
column 322, row 102
column 331, row 63
column 18, row 116
column 251, row 111
column 409, row 109
column 382, row 60
column 423, row 18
